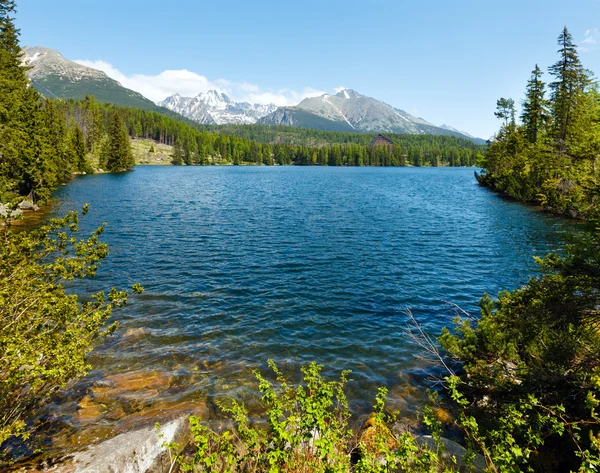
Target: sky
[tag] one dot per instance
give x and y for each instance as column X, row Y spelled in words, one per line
column 445, row 61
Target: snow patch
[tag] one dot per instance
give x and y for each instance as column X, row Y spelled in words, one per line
column 403, row 117
column 338, row 110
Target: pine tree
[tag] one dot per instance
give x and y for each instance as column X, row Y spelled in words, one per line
column 28, row 154
column 119, row 156
column 91, row 126
column 177, row 154
column 13, row 83
column 505, row 110
column 535, row 107
column 570, row 82
column 77, row 146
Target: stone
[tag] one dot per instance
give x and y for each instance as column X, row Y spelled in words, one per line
column 442, row 415
column 139, row 451
column 134, row 334
column 372, row 433
column 27, row 205
column 88, row 410
column 115, row 414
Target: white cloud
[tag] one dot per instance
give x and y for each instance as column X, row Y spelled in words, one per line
column 339, row 89
column 189, row 84
column 590, row 40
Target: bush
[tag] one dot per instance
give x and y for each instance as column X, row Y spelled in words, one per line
column 46, row 332
column 533, row 359
column 305, row 429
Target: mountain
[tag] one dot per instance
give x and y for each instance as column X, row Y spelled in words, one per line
column 451, row 128
column 294, row 116
column 215, row 108
column 350, row 111
column 54, row 76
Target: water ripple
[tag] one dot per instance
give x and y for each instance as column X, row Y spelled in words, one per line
column 298, row 265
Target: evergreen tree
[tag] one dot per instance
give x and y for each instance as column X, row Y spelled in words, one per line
column 119, row 156
column 13, row 83
column 177, row 154
column 91, row 126
column 568, row 87
column 534, row 115
column 505, row 109
column 63, row 158
column 77, row 145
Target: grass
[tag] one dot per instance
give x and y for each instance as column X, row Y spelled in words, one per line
column 141, row 152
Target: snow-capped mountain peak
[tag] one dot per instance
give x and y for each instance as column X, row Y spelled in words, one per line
column 214, row 107
column 348, row 110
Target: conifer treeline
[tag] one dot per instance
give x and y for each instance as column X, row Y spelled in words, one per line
column 40, row 145
column 193, row 144
column 551, row 156
column 438, row 145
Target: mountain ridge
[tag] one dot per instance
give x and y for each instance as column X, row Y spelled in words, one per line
column 216, row 108
column 54, row 75
column 359, row 112
column 347, row 110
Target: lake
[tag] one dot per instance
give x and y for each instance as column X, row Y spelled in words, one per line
column 295, row 264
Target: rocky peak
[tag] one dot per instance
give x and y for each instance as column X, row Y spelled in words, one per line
column 348, row 94
column 214, row 107
column 45, row 62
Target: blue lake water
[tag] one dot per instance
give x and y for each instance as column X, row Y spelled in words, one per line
column 297, row 264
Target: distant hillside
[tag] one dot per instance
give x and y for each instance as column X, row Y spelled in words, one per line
column 293, row 135
column 297, row 117
column 350, row 111
column 56, row 77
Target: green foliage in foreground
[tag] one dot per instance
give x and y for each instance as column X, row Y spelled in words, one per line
column 539, row 347
column 46, row 332
column 305, row 429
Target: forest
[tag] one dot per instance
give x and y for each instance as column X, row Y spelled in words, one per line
column 194, row 144
column 550, row 157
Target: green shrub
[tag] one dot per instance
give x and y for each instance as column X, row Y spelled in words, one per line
column 305, row 429
column 46, row 332
column 532, row 363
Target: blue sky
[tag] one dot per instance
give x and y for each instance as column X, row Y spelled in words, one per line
column 446, row 61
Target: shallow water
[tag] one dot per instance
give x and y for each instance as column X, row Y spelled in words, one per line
column 294, row 264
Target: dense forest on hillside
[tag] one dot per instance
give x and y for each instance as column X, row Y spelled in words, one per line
column 314, row 137
column 551, row 156
column 257, row 145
